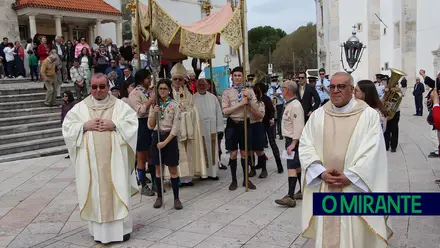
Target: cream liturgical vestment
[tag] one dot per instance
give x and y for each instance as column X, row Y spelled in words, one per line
column 211, row 122
column 190, row 139
column 104, row 165
column 349, row 139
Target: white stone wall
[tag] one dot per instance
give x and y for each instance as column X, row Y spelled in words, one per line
column 409, row 39
column 387, row 38
column 8, row 21
column 374, row 33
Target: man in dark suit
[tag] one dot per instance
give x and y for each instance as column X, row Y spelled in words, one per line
column 308, row 96
column 419, row 89
column 197, row 66
column 127, row 80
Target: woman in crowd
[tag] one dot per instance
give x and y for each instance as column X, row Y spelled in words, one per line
column 80, row 46
column 366, row 90
column 85, row 61
column 10, row 59
column 43, row 50
column 168, row 112
column 102, row 58
column 69, row 102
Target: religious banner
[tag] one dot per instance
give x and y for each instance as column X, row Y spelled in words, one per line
column 220, row 77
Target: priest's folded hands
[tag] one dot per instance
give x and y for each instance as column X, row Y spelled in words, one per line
column 99, row 125
column 335, row 179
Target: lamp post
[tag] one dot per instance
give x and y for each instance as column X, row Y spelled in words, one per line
column 353, row 49
column 227, row 59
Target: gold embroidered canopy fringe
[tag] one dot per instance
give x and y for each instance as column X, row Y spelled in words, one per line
column 197, row 40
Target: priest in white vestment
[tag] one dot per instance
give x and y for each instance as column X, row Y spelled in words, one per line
column 342, row 150
column 101, row 134
column 190, row 139
column 211, row 124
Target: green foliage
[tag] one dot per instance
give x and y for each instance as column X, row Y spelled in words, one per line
column 301, row 43
column 261, row 38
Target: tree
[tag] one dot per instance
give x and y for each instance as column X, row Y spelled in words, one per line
column 302, row 43
column 261, row 38
column 259, row 62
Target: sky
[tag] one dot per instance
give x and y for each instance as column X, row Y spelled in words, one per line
column 285, row 14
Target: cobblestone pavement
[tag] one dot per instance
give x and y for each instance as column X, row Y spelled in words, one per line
column 38, row 205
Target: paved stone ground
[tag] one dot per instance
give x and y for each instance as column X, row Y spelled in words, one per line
column 38, row 205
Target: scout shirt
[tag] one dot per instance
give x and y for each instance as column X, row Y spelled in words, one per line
column 138, row 101
column 171, row 118
column 293, row 119
column 261, row 109
column 230, row 98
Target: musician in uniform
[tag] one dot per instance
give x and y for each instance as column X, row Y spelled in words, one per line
column 234, row 102
column 391, row 133
column 275, row 94
column 168, row 110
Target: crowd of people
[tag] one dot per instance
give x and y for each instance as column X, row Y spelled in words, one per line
column 172, row 130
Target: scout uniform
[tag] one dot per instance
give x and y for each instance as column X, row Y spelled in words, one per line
column 258, row 134
column 169, row 125
column 137, row 100
column 292, row 126
column 234, row 133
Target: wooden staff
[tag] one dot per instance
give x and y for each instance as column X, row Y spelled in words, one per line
column 243, row 29
column 138, row 27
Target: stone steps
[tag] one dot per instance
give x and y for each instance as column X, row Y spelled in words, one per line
column 31, row 145
column 31, row 127
column 28, row 128
column 27, row 136
column 34, row 154
column 28, row 111
column 22, row 97
column 29, row 119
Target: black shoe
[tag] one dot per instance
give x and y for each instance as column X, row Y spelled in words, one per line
column 177, row 204
column 147, row 180
column 126, row 237
column 281, row 138
column 233, row 186
column 213, row 178
column 263, row 174
column 252, row 173
column 433, row 155
column 67, row 157
column 250, row 185
column 280, row 170
column 158, row 203
column 393, row 150
column 266, row 146
column 223, row 167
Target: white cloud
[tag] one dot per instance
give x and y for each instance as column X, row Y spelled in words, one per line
column 285, row 14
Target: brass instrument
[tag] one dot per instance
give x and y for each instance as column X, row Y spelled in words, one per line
column 393, row 97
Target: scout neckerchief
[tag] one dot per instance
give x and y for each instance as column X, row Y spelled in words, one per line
column 291, row 100
column 146, row 93
column 240, row 95
column 163, row 106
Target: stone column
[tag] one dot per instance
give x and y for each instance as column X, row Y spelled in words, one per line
column 98, row 28
column 58, row 30
column 374, row 32
column 334, row 48
column 118, row 25
column 32, row 26
column 70, row 33
column 409, row 40
column 91, row 38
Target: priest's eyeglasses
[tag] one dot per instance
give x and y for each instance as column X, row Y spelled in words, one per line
column 333, row 87
column 101, row 86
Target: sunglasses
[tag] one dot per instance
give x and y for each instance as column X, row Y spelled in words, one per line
column 337, row 86
column 101, row 86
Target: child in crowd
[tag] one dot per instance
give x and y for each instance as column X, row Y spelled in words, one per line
column 33, row 65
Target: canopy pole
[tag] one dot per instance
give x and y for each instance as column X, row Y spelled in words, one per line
column 243, row 29
column 138, row 27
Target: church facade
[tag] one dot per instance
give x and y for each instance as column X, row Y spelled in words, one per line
column 397, row 33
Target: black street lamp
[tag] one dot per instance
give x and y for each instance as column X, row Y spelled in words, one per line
column 353, row 49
